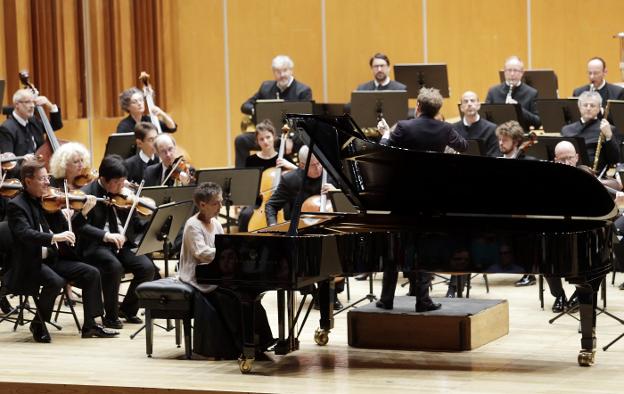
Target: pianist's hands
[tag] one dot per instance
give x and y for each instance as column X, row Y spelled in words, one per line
column 383, row 128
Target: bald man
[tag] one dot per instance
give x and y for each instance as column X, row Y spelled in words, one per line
column 513, row 91
column 473, row 127
column 596, row 71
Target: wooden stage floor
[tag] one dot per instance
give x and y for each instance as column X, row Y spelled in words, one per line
column 535, row 357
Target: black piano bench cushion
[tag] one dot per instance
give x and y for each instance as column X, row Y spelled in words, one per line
column 167, row 294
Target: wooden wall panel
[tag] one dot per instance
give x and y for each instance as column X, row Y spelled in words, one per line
column 357, row 29
column 566, row 33
column 474, row 38
column 258, row 30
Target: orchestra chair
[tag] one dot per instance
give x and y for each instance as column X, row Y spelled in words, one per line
column 6, row 243
column 72, row 311
column 167, row 298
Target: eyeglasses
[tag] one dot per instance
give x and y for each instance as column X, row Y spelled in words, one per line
column 26, row 101
column 43, row 179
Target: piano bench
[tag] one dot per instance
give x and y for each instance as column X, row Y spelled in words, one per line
column 167, row 299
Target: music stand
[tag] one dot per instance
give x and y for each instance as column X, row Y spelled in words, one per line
column 166, row 194
column 501, row 113
column 616, row 114
column 475, row 148
column 274, row 110
column 340, row 202
column 330, row 109
column 545, row 148
column 241, row 186
column 556, row 113
column 2, row 85
column 122, row 144
column 542, row 80
column 367, row 105
column 417, row 76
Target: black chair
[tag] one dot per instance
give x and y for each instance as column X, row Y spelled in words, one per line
column 167, row 299
column 72, row 311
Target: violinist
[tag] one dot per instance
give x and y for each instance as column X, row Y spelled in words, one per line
column 69, row 162
column 22, row 133
column 144, row 135
column 106, row 248
column 132, row 101
column 44, row 255
column 163, row 173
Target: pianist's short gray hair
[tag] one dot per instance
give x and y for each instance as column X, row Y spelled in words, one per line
column 281, row 61
column 429, row 101
column 587, row 96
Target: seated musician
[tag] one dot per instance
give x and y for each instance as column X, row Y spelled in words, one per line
column 106, row 248
column 265, row 159
column 144, row 135
column 288, row 189
column 596, row 71
column 23, row 133
column 514, row 91
column 421, row 133
column 198, row 247
column 473, row 127
column 380, row 67
column 284, row 86
column 44, row 254
column 69, row 162
column 132, row 101
column 590, row 127
column 162, row 173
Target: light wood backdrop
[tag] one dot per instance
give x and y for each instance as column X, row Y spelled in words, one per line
column 213, row 54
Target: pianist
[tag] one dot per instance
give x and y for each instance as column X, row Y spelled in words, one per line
column 421, row 133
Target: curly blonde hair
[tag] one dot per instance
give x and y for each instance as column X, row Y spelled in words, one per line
column 58, row 162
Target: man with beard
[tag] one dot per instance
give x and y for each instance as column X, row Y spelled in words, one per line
column 380, row 67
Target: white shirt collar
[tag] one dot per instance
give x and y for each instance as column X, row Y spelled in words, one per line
column 384, row 83
column 19, row 119
column 466, row 123
column 602, row 85
column 144, row 157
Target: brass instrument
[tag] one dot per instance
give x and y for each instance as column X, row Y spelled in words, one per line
column 600, row 141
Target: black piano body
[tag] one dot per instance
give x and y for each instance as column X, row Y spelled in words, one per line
column 423, row 211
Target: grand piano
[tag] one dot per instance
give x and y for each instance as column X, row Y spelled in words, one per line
column 420, row 211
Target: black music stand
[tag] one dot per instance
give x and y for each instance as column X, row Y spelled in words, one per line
column 616, row 115
column 166, row 194
column 545, row 148
column 556, row 113
column 274, row 110
column 330, row 109
column 543, row 80
column 165, row 224
column 417, row 76
column 241, row 186
column 368, row 105
column 501, row 113
column 2, row 86
column 122, row 144
column 475, row 148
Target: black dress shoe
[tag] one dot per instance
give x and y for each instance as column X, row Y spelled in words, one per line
column 112, row 323
column 383, row 305
column 573, row 303
column 526, row 280
column 5, row 305
column 98, row 331
column 130, row 319
column 39, row 334
column 560, row 304
column 427, row 306
column 338, row 305
column 621, row 286
column 361, row 277
column 451, row 293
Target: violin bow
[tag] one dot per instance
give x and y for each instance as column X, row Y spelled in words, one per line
column 132, row 208
column 69, row 223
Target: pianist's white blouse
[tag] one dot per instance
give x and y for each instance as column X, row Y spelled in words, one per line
column 198, row 247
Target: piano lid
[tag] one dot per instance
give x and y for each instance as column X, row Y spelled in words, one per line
column 384, row 178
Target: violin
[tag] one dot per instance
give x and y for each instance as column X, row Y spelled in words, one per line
column 180, row 166
column 124, row 200
column 55, row 200
column 85, row 177
column 8, row 160
column 10, row 187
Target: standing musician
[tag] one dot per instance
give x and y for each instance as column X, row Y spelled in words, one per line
column 590, row 127
column 514, row 91
column 44, row 254
column 473, row 127
column 285, row 87
column 144, row 134
column 156, row 174
column 265, row 159
column 105, row 247
column 421, row 133
column 596, row 71
column 22, row 133
column 133, row 102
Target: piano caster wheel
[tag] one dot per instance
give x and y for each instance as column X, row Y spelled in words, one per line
column 245, row 364
column 586, row 358
column 321, row 337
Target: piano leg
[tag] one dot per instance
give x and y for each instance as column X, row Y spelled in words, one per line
column 588, row 297
column 326, row 303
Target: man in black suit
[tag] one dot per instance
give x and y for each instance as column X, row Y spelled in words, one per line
column 106, row 248
column 590, row 127
column 144, row 134
column 380, row 67
column 22, row 133
column 596, row 71
column 285, row 87
column 156, row 174
column 473, row 127
column 421, row 133
column 513, row 91
column 43, row 254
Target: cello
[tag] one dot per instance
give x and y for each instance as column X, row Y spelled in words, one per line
column 270, row 180
column 52, row 144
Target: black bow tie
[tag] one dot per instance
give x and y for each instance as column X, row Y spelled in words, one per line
column 152, row 161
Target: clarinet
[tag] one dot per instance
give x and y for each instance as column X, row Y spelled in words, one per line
column 509, row 93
